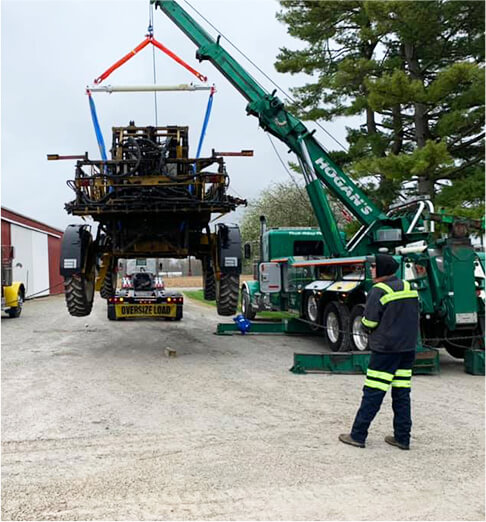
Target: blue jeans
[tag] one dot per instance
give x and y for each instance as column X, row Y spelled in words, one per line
column 381, row 374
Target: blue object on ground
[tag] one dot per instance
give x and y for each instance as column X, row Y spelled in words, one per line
column 242, row 323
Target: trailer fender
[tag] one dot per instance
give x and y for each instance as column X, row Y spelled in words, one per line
column 319, row 286
column 253, row 288
column 333, row 286
column 11, row 294
column 74, row 249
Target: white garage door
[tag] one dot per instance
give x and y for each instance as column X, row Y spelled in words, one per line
column 31, row 261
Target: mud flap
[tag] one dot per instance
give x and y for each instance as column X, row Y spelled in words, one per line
column 74, row 249
column 229, row 249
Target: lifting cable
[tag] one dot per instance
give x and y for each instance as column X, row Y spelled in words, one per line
column 151, row 32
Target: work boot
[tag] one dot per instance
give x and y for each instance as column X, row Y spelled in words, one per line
column 347, row 439
column 390, row 439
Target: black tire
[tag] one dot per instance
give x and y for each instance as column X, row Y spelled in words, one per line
column 358, row 336
column 246, row 308
column 109, row 285
column 79, row 293
column 209, row 282
column 311, row 309
column 455, row 351
column 179, row 314
column 335, row 320
column 228, row 290
column 15, row 311
column 457, row 347
column 110, row 312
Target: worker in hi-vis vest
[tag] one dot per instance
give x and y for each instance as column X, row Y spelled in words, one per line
column 391, row 318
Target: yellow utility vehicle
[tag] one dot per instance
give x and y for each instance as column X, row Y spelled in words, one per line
column 13, row 292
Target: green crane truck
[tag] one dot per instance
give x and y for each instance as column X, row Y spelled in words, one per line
column 327, row 284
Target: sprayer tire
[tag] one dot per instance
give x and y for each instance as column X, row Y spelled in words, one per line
column 209, row 284
column 79, row 293
column 227, row 295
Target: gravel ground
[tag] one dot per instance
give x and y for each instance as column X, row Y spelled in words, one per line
column 98, row 423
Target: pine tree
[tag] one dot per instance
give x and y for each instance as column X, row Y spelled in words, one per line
column 414, row 72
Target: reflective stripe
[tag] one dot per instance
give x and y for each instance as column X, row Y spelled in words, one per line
column 380, row 375
column 384, row 287
column 403, row 373
column 405, row 383
column 392, row 295
column 376, row 384
column 368, row 323
column 402, row 294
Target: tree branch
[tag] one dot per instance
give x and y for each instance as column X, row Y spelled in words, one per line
column 454, row 173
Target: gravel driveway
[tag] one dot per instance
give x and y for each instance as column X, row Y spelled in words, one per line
column 98, row 423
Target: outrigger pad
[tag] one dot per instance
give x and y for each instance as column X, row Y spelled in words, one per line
column 426, row 362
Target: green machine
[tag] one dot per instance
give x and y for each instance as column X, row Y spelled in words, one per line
column 323, row 278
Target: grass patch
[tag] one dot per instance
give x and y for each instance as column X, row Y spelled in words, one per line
column 198, row 295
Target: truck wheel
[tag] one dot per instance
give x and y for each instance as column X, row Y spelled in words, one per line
column 454, row 348
column 246, row 307
column 79, row 292
column 312, row 308
column 457, row 347
column 228, row 289
column 15, row 311
column 359, row 338
column 209, row 284
column 335, row 321
column 455, row 351
column 110, row 312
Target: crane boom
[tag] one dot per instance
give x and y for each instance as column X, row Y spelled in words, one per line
column 274, row 118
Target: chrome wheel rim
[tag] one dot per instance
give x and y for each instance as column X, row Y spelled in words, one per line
column 332, row 327
column 312, row 308
column 244, row 303
column 360, row 339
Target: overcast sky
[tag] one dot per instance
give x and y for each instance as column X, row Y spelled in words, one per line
column 51, row 50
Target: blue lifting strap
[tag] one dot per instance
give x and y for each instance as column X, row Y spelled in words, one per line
column 206, row 121
column 203, row 131
column 99, row 135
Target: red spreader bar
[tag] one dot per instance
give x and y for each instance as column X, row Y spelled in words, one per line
column 153, row 41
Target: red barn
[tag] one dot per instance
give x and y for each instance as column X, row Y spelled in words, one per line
column 37, row 251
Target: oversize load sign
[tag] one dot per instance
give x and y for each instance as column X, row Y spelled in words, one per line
column 143, row 310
